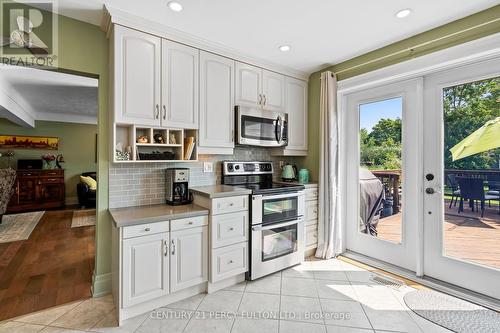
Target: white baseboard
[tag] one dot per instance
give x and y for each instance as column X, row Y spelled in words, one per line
column 101, row 285
column 71, row 201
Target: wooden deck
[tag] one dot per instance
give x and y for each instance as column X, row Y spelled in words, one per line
column 467, row 236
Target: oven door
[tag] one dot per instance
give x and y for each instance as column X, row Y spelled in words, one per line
column 261, row 128
column 269, row 209
column 276, row 247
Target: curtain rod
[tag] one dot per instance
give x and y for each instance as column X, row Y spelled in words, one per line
column 412, row 48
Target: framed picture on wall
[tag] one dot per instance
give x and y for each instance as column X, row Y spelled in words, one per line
column 28, row 142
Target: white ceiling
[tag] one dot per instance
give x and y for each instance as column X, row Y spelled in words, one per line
column 49, row 95
column 320, row 32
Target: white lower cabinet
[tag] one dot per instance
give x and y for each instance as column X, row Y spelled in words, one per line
column 145, row 268
column 189, row 258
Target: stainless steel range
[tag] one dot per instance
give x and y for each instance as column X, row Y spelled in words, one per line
column 277, row 235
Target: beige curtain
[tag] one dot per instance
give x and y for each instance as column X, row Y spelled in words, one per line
column 329, row 233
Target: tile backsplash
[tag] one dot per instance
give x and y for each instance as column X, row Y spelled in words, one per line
column 144, row 183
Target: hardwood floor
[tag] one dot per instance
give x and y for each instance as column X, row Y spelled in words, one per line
column 52, row 267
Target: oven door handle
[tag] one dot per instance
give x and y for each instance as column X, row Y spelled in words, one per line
column 272, row 226
column 282, row 196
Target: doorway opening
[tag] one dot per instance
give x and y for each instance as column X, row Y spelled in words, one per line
column 48, row 155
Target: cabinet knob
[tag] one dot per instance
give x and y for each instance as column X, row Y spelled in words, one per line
column 230, row 261
column 147, row 229
column 190, row 222
column 231, row 204
column 231, row 229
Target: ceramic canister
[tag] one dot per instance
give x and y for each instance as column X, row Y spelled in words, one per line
column 304, row 176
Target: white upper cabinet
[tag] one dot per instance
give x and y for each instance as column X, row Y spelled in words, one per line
column 257, row 87
column 273, row 91
column 189, row 258
column 296, row 107
column 136, row 77
column 216, row 131
column 145, row 261
column 179, row 88
column 248, row 85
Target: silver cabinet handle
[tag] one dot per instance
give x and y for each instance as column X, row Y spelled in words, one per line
column 173, row 247
column 157, row 113
column 265, row 100
column 165, row 253
column 260, row 99
column 164, row 112
column 147, row 229
column 231, row 229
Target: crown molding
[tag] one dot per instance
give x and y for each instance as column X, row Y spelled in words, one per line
column 113, row 16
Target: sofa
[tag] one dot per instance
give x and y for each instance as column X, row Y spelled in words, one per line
column 86, row 196
column 7, row 181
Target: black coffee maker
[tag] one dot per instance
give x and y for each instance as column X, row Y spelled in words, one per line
column 177, row 190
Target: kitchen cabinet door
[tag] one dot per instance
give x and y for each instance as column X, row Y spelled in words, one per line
column 296, row 106
column 216, row 104
column 136, row 77
column 188, row 258
column 145, row 268
column 273, row 91
column 179, row 88
column 248, row 85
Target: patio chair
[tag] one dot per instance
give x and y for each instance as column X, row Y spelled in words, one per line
column 472, row 189
column 455, row 191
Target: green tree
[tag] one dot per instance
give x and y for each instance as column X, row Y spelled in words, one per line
column 466, row 108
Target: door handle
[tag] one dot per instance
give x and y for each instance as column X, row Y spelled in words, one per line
column 431, row 190
column 173, row 247
column 164, row 112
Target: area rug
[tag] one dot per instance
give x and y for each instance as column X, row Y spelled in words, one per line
column 452, row 313
column 83, row 218
column 17, row 227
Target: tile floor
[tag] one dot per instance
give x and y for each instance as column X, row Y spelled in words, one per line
column 327, row 296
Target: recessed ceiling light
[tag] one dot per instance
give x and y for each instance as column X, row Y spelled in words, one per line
column 403, row 13
column 285, row 48
column 175, row 6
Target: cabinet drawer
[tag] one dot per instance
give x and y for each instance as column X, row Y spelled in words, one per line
column 229, row 261
column 190, row 222
column 229, row 204
column 311, row 235
column 229, row 229
column 145, row 229
column 311, row 210
column 311, row 193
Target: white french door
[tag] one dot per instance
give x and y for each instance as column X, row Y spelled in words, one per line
column 461, row 246
column 383, row 172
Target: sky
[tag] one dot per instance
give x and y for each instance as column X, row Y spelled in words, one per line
column 371, row 113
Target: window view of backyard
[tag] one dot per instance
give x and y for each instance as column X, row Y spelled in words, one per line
column 471, row 193
column 471, row 228
column 380, row 169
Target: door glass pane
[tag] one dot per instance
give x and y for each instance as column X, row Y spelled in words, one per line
column 258, row 128
column 471, row 228
column 278, row 242
column 380, row 173
column 275, row 210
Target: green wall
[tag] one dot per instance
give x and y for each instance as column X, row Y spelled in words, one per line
column 457, row 32
column 77, row 145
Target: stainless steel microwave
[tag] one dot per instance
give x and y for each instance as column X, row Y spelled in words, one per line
column 256, row 127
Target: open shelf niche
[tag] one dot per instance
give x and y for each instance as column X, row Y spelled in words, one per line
column 134, row 143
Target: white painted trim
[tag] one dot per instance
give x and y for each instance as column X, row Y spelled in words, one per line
column 460, row 55
column 101, row 285
column 67, row 118
column 112, row 15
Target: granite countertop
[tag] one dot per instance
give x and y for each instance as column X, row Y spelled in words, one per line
column 220, row 191
column 128, row 216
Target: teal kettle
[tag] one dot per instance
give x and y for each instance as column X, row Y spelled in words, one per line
column 288, row 173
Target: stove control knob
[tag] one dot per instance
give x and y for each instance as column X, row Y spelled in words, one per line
column 230, row 167
column 236, row 167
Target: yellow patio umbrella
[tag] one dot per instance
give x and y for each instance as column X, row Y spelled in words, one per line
column 485, row 138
